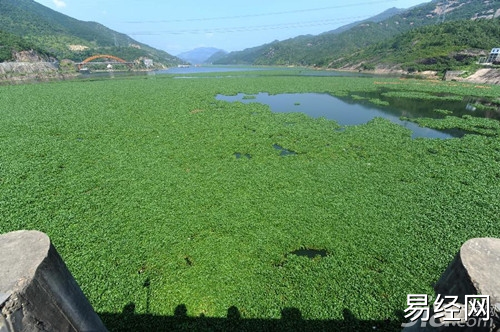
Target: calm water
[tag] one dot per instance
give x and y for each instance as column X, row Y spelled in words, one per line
column 229, row 68
column 217, row 69
column 345, row 112
column 207, row 69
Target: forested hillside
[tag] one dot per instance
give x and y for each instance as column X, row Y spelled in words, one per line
column 64, row 37
column 10, row 44
column 331, row 49
column 450, row 45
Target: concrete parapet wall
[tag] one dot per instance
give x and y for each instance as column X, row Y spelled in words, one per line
column 475, row 270
column 37, row 292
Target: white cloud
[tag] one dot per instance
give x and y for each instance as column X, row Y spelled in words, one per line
column 59, row 3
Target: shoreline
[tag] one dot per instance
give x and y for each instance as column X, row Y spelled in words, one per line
column 12, row 73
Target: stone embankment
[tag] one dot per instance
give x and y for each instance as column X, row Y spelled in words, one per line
column 20, row 72
column 29, row 66
column 18, row 68
column 482, row 76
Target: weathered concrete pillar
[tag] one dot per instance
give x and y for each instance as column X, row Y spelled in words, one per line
column 474, row 271
column 37, row 292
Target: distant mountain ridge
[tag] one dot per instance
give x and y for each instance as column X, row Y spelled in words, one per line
column 329, row 49
column 200, row 55
column 377, row 18
column 216, row 57
column 67, row 38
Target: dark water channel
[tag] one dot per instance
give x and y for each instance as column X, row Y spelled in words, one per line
column 348, row 111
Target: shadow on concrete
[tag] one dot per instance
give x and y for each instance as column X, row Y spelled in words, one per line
column 291, row 320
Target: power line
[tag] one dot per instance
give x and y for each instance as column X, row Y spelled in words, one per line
column 282, row 26
column 263, row 14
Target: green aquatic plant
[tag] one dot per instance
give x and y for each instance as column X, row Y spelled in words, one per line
column 357, row 97
column 444, row 112
column 137, row 179
column 466, row 123
column 378, row 101
column 420, row 95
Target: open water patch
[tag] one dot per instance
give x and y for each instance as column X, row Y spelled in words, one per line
column 346, row 112
column 284, row 152
column 209, row 69
column 310, row 253
column 240, row 155
column 313, row 254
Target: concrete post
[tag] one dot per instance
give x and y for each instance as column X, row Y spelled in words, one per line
column 475, row 270
column 37, row 292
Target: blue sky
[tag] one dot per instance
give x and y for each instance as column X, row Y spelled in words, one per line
column 182, row 25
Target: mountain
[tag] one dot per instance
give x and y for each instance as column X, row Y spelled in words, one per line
column 329, row 49
column 200, row 55
column 216, row 57
column 312, row 50
column 11, row 44
column 447, row 46
column 377, row 18
column 68, row 38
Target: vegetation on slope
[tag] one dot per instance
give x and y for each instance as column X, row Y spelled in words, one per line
column 331, row 49
column 451, row 45
column 54, row 32
column 10, row 44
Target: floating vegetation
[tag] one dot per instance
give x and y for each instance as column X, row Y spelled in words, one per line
column 379, row 102
column 246, row 97
column 358, row 97
column 122, row 180
column 470, row 124
column 421, row 95
column 485, row 107
column 445, row 112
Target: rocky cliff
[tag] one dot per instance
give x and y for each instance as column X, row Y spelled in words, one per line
column 487, row 75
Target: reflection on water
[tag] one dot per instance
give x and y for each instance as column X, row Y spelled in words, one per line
column 345, row 111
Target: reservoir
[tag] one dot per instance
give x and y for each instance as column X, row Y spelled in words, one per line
column 347, row 111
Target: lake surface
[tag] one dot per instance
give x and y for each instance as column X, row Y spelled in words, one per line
column 208, row 69
column 217, row 69
column 229, row 68
column 345, row 111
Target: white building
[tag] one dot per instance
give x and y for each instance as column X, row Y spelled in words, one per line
column 494, row 55
column 148, row 63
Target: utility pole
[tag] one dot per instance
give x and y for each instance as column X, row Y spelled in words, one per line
column 442, row 17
